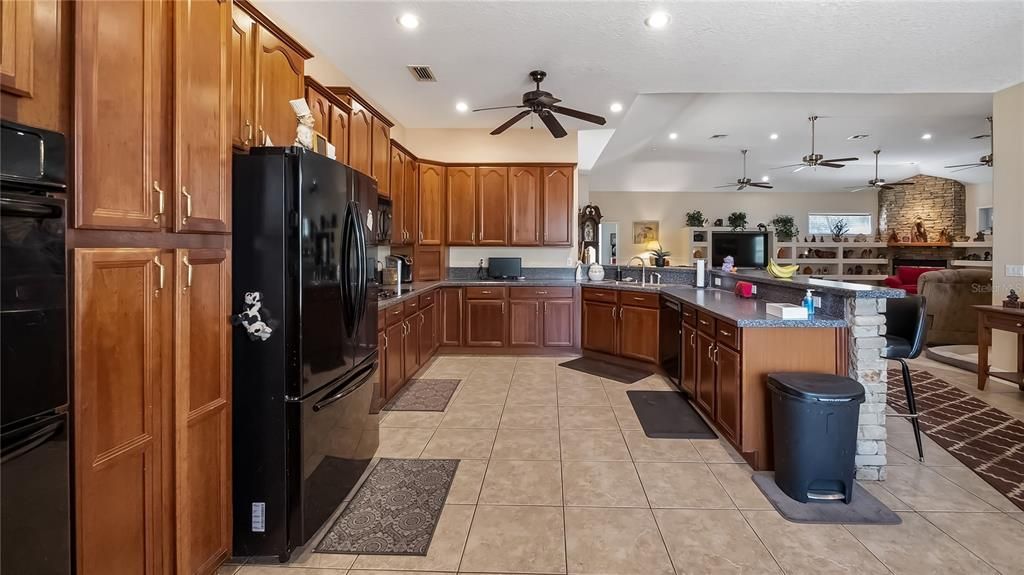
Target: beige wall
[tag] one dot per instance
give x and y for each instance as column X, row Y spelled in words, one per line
column 978, row 196
column 670, row 209
column 1008, row 208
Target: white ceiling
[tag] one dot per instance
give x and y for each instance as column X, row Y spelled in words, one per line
column 641, row 157
column 599, row 52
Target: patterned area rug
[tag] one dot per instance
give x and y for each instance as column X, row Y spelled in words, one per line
column 424, row 395
column 395, row 511
column 982, row 437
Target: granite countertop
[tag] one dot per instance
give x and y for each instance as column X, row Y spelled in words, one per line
column 845, row 289
column 421, row 287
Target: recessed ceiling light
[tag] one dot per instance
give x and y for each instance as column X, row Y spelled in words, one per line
column 926, row 136
column 461, row 106
column 409, row 21
column 673, row 136
column 658, row 20
column 773, row 136
column 764, row 178
column 616, row 107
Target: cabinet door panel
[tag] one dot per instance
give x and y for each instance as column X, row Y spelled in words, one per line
column 557, row 202
column 203, row 409
column 600, row 327
column 524, row 206
column 380, row 154
column 380, row 392
column 243, row 82
column 485, row 323
column 705, row 395
column 202, row 100
column 410, row 201
column 120, row 387
column 431, row 184
column 727, row 407
column 689, row 360
column 394, row 353
column 279, row 79
column 638, row 333
column 360, row 133
column 320, row 106
column 16, row 65
column 524, row 323
column 461, row 198
column 492, row 206
column 397, row 197
column 123, row 90
column 339, row 133
column 428, row 333
column 558, row 323
column 451, row 316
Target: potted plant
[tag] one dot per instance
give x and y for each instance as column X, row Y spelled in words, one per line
column 785, row 228
column 839, row 229
column 696, row 219
column 738, row 221
column 659, row 254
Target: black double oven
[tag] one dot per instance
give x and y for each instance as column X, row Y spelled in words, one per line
column 35, row 518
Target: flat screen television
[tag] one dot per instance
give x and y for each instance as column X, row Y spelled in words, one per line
column 748, row 249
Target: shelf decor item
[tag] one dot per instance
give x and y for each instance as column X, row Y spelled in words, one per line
column 659, row 254
column 718, row 223
column 645, row 232
column 839, row 229
column 919, row 234
column 595, row 272
column 696, row 219
column 785, row 228
column 1012, row 300
column 738, row 221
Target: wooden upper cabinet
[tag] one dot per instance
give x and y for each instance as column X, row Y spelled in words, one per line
column 410, row 201
column 492, row 206
column 16, row 65
column 330, row 117
column 397, row 180
column 320, row 106
column 431, row 184
column 279, row 70
column 557, row 205
column 461, row 199
column 380, row 154
column 202, row 335
column 122, row 316
column 202, row 194
column 123, row 106
column 524, row 206
column 243, row 85
column 360, row 133
column 339, row 132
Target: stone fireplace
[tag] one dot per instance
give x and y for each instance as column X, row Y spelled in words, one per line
column 939, row 203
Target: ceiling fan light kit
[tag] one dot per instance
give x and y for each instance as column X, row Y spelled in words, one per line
column 545, row 105
column 814, row 160
column 744, row 181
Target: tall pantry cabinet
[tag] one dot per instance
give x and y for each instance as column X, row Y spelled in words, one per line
column 151, row 299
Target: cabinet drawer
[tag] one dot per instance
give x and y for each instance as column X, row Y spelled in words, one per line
column 728, row 334
column 411, row 307
column 1004, row 323
column 605, row 295
column 540, row 292
column 427, row 299
column 489, row 292
column 689, row 316
column 394, row 315
column 639, row 299
column 706, row 323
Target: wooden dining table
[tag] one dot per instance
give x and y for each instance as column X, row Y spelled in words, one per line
column 1009, row 319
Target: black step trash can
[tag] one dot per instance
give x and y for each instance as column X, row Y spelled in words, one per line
column 814, row 423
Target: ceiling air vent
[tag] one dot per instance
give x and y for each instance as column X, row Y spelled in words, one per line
column 718, row 136
column 422, row 73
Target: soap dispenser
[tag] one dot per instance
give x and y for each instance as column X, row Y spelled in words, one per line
column 808, row 303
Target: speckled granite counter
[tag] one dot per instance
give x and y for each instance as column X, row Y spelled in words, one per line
column 420, row 287
column 845, row 289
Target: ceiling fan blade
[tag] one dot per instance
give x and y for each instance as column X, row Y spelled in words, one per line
column 802, row 167
column 899, row 183
column 759, row 185
column 547, row 100
column 509, row 123
column 971, row 165
column 725, row 186
column 789, row 166
column 831, row 165
column 833, row 161
column 592, row 118
column 497, row 108
column 856, row 189
column 552, row 123
column 740, row 187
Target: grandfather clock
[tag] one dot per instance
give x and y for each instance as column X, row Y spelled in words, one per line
column 590, row 235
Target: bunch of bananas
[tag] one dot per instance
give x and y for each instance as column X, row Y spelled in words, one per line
column 781, row 271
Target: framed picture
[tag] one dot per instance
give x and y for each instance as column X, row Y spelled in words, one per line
column 644, row 232
column 320, row 143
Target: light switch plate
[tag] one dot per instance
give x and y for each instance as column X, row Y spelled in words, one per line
column 718, row 281
column 817, row 300
column 1015, row 271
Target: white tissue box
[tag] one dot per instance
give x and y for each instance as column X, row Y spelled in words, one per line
column 786, row 310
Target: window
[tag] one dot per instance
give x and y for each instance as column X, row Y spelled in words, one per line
column 818, row 224
column 985, row 220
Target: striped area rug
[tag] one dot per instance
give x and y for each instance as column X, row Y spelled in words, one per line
column 983, row 438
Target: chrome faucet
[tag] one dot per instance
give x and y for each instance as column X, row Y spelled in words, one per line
column 398, row 268
column 655, row 281
column 643, row 269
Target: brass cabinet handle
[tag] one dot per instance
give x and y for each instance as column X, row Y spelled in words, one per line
column 159, row 201
column 472, row 236
column 485, row 291
column 692, row 337
column 188, row 272
column 638, row 298
column 716, row 355
column 702, row 322
column 160, row 271
column 709, row 352
column 421, row 236
column 421, row 321
column 502, row 307
column 542, row 293
column 725, row 333
column 188, row 205
column 248, row 136
column 263, row 136
column 613, row 312
column 385, row 341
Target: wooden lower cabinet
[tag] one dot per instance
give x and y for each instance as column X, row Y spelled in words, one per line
column 486, row 323
column 524, row 323
column 428, row 333
column 411, row 345
column 728, row 384
column 705, row 382
column 406, row 345
column 688, row 360
column 638, row 333
column 600, row 327
column 152, row 410
column 558, row 323
column 394, row 373
column 450, row 320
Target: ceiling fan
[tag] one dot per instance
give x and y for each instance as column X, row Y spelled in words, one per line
column 982, row 161
column 745, row 181
column 813, row 160
column 878, row 183
column 544, row 105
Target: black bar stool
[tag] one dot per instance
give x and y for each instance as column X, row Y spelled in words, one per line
column 904, row 338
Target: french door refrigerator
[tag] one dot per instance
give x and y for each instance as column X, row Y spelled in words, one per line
column 305, row 343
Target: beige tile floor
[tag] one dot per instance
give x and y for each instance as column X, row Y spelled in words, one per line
column 556, row 477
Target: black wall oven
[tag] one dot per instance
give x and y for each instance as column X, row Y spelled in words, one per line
column 35, row 528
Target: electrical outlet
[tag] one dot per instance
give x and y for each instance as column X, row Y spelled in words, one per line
column 817, row 300
column 718, row 281
column 1015, row 271
column 753, row 289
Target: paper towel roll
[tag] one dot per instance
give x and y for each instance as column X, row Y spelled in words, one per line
column 700, row 273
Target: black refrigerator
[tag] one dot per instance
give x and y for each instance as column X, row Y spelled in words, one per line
column 305, row 343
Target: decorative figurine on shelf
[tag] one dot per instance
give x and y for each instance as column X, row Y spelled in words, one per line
column 814, row 239
column 762, row 228
column 988, row 256
column 1013, row 301
column 718, row 223
column 980, row 237
column 304, row 129
column 945, row 237
column 727, row 264
column 919, row 235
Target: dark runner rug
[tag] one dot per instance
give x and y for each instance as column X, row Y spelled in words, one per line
column 607, row 370
column 424, row 395
column 985, row 439
column 863, row 509
column 395, row 511
column 667, row 415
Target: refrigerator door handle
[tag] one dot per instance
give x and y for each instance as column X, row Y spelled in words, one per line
column 347, row 297
column 360, row 303
column 348, row 388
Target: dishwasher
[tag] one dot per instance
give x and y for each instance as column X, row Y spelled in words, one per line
column 670, row 338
